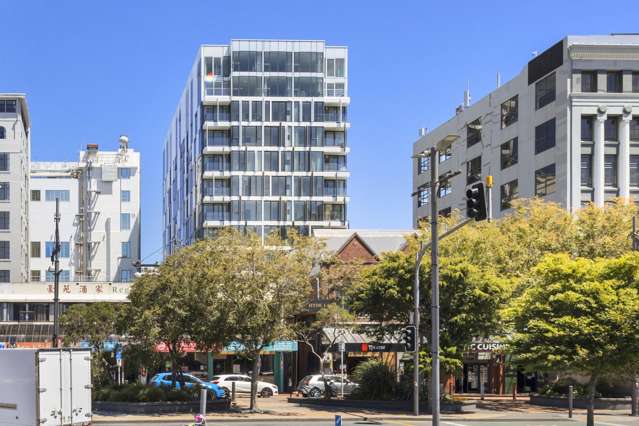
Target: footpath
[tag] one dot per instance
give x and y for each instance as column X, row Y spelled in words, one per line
column 278, row 409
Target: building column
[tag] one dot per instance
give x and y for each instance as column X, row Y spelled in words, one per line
column 598, row 172
column 624, row 155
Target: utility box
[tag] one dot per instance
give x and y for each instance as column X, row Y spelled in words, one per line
column 45, row 387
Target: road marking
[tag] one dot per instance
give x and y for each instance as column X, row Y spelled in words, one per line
column 393, row 422
column 453, row 424
column 609, row 424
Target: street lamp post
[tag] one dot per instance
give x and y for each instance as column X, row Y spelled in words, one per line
column 55, row 259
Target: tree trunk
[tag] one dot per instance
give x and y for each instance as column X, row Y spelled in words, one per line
column 257, row 364
column 173, row 368
column 592, row 386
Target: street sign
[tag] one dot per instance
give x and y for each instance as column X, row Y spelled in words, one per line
column 118, row 358
column 338, row 420
column 341, row 347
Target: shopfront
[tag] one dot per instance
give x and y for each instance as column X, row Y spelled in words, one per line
column 484, row 369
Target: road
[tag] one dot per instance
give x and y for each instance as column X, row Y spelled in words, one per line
column 522, row 420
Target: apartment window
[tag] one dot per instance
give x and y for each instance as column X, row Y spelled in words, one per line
column 610, row 169
column 634, row 130
column 473, row 132
column 277, row 86
column 5, row 250
column 611, row 129
column 545, row 91
column 36, row 249
column 309, row 86
column 3, row 133
column 247, row 61
column 246, row 111
column 545, row 181
column 4, row 191
column 509, row 152
column 52, row 194
column 423, row 164
column 252, row 135
column 334, row 89
column 278, row 62
column 35, row 195
column 445, row 188
column 308, row 62
column 126, row 249
column 125, row 196
column 587, row 130
column 445, row 154
column 423, row 194
column 509, row 192
column 64, row 276
column 235, row 111
column 36, row 275
column 588, row 81
column 8, row 105
column 64, row 248
column 335, row 67
column 281, row 111
column 125, row 221
column 4, row 221
column 586, row 170
column 509, row 111
column 4, row 161
column 473, row 170
column 614, row 81
column 635, row 82
column 126, row 276
column 256, row 110
column 217, row 66
column 545, row 136
column 5, row 276
column 634, row 171
column 124, row 172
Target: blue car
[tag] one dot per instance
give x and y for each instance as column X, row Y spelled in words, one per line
column 164, row 379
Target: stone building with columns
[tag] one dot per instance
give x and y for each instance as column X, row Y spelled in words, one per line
column 565, row 129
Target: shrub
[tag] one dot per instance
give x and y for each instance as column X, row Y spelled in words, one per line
column 376, row 381
column 135, row 392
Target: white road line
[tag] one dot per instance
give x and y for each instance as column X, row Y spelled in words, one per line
column 609, row 424
column 453, row 424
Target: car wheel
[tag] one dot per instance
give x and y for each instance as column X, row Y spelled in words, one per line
column 315, row 393
column 227, row 393
column 266, row 393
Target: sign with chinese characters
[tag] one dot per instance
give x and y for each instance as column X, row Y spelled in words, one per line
column 69, row 292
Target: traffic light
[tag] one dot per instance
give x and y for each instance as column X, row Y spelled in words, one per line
column 476, row 202
column 408, row 336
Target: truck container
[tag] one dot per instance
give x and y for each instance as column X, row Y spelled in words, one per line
column 45, row 387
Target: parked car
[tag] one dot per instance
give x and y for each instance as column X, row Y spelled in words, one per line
column 164, row 379
column 312, row 386
column 243, row 384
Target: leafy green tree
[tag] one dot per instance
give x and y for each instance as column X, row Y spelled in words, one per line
column 93, row 323
column 578, row 316
column 260, row 286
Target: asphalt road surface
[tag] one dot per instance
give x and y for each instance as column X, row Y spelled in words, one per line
column 526, row 421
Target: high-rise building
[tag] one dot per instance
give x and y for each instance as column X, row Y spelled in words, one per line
column 15, row 141
column 99, row 198
column 258, row 141
column 565, row 129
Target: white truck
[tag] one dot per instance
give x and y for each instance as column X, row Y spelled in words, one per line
column 45, row 387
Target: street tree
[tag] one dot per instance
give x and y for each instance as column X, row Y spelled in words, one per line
column 262, row 286
column 577, row 316
column 93, row 323
column 331, row 325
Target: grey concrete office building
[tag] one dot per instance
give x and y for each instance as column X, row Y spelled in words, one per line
column 565, row 129
column 258, row 141
column 15, row 144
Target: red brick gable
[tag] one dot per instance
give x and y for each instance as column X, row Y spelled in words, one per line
column 356, row 249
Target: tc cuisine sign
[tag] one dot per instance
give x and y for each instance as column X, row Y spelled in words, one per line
column 486, row 347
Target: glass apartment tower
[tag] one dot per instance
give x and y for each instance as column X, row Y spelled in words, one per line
column 258, row 141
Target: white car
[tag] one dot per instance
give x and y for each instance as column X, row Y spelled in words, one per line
column 243, row 385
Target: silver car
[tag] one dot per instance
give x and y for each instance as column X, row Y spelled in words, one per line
column 312, row 386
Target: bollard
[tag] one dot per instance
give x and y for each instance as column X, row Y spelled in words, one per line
column 338, row 420
column 233, row 391
column 203, row 405
column 570, row 398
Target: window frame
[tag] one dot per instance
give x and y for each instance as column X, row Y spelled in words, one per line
column 548, row 187
column 593, row 87
column 543, row 90
column 509, row 115
column 505, row 203
column 541, row 139
column 514, row 153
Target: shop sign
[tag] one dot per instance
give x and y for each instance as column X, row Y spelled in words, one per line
column 370, row 347
column 486, row 346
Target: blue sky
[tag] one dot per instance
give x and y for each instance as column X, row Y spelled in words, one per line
column 95, row 70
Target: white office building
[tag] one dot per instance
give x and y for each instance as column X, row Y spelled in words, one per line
column 15, row 141
column 565, row 129
column 258, row 141
column 99, row 199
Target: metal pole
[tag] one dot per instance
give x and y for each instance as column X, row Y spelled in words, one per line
column 570, row 400
column 633, row 397
column 341, row 367
column 203, row 404
column 489, row 185
column 55, row 257
column 434, row 176
column 418, row 261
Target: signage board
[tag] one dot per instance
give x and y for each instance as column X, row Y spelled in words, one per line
column 370, row 347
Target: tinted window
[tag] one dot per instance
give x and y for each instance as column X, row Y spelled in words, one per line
column 247, row 61
column 309, row 62
column 309, row 86
column 278, row 86
column 611, row 129
column 247, row 86
column 614, row 81
column 4, row 162
column 509, row 112
column 587, row 127
column 473, row 132
column 277, row 62
column 473, row 170
column 545, row 136
column 634, row 170
column 586, row 170
column 588, row 81
column 509, row 192
column 610, row 169
column 509, row 152
column 545, row 181
column 634, row 129
column 545, row 91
